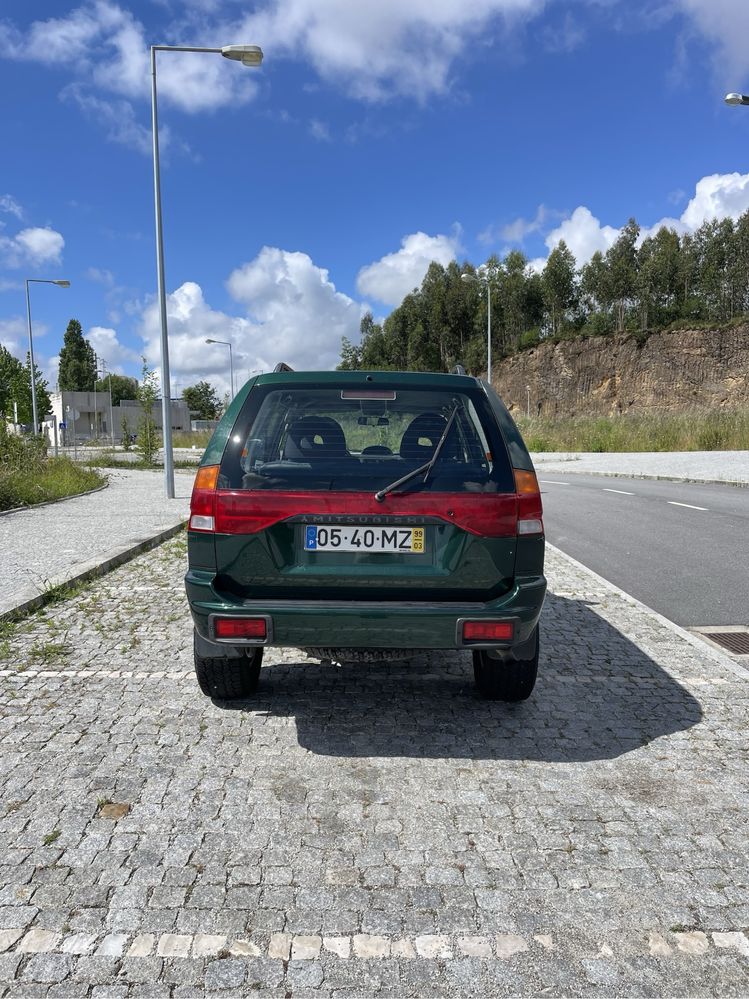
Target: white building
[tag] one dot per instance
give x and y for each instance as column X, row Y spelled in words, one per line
column 90, row 416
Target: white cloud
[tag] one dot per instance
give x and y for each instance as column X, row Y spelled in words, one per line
column 294, row 314
column 516, row 232
column 319, row 130
column 715, row 197
column 100, row 275
column 107, row 46
column 583, row 234
column 33, row 246
column 10, row 206
column 300, row 317
column 381, row 49
column 13, row 335
column 117, row 118
column 393, row 276
column 108, row 348
column 725, row 23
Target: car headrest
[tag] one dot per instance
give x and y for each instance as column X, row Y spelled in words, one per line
column 422, row 436
column 314, row 437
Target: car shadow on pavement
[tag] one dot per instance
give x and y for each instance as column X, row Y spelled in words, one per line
column 598, row 696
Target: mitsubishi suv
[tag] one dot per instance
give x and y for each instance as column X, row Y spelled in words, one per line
column 362, row 515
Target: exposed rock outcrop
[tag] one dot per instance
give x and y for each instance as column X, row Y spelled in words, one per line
column 621, row 373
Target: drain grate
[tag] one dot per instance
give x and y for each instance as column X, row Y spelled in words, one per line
column 735, row 642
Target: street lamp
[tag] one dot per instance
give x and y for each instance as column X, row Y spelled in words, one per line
column 735, row 100
column 231, row 361
column 248, row 55
column 484, row 276
column 60, row 284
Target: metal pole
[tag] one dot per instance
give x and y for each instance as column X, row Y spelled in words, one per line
column 489, row 332
column 31, row 360
column 54, row 424
column 111, row 415
column 231, row 369
column 96, row 376
column 166, row 391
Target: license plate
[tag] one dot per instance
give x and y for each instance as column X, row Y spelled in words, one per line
column 345, row 538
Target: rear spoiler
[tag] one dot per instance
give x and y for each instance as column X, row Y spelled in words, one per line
column 281, row 366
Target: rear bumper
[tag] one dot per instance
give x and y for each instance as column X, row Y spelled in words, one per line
column 374, row 625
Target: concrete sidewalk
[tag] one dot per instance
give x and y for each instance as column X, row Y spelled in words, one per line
column 59, row 543
column 686, row 466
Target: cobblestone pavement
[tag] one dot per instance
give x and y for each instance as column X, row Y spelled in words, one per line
column 709, row 466
column 361, row 830
column 45, row 546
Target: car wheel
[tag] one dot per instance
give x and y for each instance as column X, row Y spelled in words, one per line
column 506, row 678
column 229, row 679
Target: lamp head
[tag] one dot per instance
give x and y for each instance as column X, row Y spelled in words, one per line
column 736, row 99
column 248, row 55
column 62, row 284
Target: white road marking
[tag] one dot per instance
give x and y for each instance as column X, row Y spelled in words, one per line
column 620, row 491
column 553, row 482
column 688, row 505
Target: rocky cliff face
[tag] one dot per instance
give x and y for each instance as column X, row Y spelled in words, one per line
column 616, row 374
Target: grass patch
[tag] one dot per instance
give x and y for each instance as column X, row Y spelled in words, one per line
column 701, row 430
column 45, row 480
column 188, row 438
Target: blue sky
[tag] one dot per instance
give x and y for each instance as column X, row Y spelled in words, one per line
column 376, row 136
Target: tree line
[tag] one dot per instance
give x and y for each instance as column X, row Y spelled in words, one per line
column 636, row 285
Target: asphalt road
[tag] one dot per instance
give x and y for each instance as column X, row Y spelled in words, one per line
column 680, row 548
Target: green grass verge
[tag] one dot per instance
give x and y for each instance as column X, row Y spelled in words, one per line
column 50, row 479
column 703, row 430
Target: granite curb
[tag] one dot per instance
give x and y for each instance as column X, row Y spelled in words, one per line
column 97, row 566
column 645, row 476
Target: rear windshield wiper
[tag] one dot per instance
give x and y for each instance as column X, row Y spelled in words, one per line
column 425, row 468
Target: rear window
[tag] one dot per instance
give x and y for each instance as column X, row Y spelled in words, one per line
column 357, row 439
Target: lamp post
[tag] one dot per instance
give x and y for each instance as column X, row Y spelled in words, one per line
column 104, row 372
column 60, row 284
column 484, row 276
column 248, row 55
column 231, row 361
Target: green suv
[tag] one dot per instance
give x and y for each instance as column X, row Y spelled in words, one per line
column 362, row 515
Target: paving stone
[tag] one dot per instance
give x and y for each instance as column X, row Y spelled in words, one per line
column 8, row 938
column 341, row 946
column 39, row 941
column 694, row 942
column 280, row 946
column 732, row 941
column 475, row 946
column 142, row 945
column 508, row 944
column 113, row 945
column 48, row 968
column 174, row 945
column 371, row 809
column 305, row 948
column 205, row 945
column 227, row 973
column 367, row 946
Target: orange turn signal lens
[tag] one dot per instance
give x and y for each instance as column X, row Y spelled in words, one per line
column 207, row 477
column 525, row 481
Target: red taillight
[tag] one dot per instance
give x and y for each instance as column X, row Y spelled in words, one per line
column 488, row 631
column 487, row 515
column 240, row 627
column 530, row 511
column 203, row 499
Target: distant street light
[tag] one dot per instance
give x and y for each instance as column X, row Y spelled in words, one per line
column 484, row 276
column 248, row 55
column 735, row 100
column 60, row 284
column 231, row 361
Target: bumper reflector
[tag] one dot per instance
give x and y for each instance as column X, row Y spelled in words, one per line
column 199, row 522
column 488, row 631
column 240, row 627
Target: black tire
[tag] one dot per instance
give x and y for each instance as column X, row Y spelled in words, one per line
column 501, row 678
column 229, row 679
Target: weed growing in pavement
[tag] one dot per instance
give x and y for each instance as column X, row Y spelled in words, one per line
column 50, row 838
column 48, row 652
